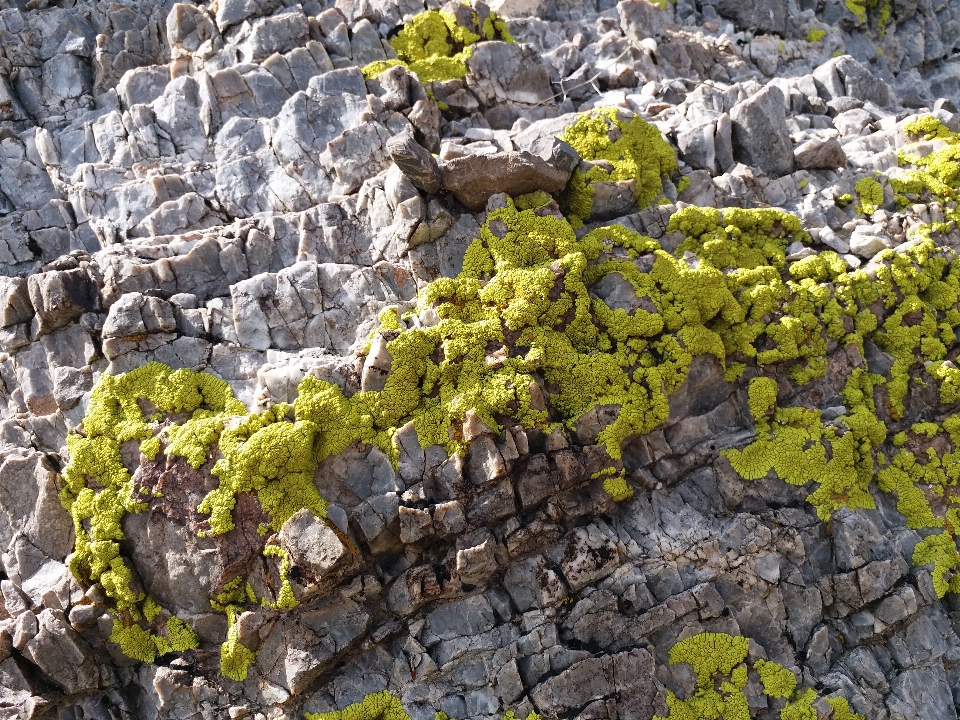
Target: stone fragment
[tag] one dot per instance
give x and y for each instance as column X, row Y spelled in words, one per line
column 640, row 19
column 627, row 676
column 379, row 520
column 867, row 240
column 300, row 647
column 589, row 555
column 60, row 296
column 416, row 162
column 15, row 307
column 414, row 524
column 449, row 519
column 61, row 654
column 314, row 547
column 769, row 16
column 475, row 556
column 696, row 144
column 485, row 461
column 474, row 178
column 760, row 135
column 501, row 72
column 818, row 153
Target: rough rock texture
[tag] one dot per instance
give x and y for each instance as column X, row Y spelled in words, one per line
column 218, row 187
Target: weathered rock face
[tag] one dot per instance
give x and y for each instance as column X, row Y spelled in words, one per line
column 220, row 187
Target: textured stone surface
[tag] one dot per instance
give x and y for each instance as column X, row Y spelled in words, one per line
column 217, row 186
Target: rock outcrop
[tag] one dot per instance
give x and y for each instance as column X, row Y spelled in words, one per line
column 561, row 357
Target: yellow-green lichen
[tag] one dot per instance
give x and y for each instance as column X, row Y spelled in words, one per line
column 618, row 149
column 816, row 35
column 384, row 705
column 436, row 47
column 718, row 661
column 870, row 193
column 235, row 657
column 778, row 681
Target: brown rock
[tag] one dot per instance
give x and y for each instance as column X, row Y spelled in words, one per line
column 818, row 153
column 474, row 178
column 416, row 162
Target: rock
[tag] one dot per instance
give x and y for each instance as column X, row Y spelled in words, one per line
column 860, row 83
column 852, row 122
column 589, row 556
column 628, row 676
column 300, row 648
column 696, row 144
column 474, row 178
column 29, row 504
column 865, row 242
column 314, row 547
column 449, row 519
column 475, row 556
column 500, row 72
column 376, row 366
column 379, row 521
column 414, row 524
column 768, row 17
column 760, row 135
column 924, row 688
column 556, row 152
column 61, row 654
column 818, row 153
column 640, row 19
column 59, row 297
column 15, row 307
column 415, row 162
column 486, row 463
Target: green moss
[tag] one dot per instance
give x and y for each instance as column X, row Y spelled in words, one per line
column 816, row 35
column 632, row 150
column 683, row 184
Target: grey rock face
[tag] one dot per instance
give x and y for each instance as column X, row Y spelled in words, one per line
column 760, row 135
column 220, row 187
column 754, row 14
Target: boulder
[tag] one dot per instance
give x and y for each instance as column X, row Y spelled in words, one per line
column 819, row 153
column 474, row 178
column 760, row 135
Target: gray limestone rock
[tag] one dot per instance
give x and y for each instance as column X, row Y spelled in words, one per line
column 760, row 135
column 315, row 547
column 61, row 654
